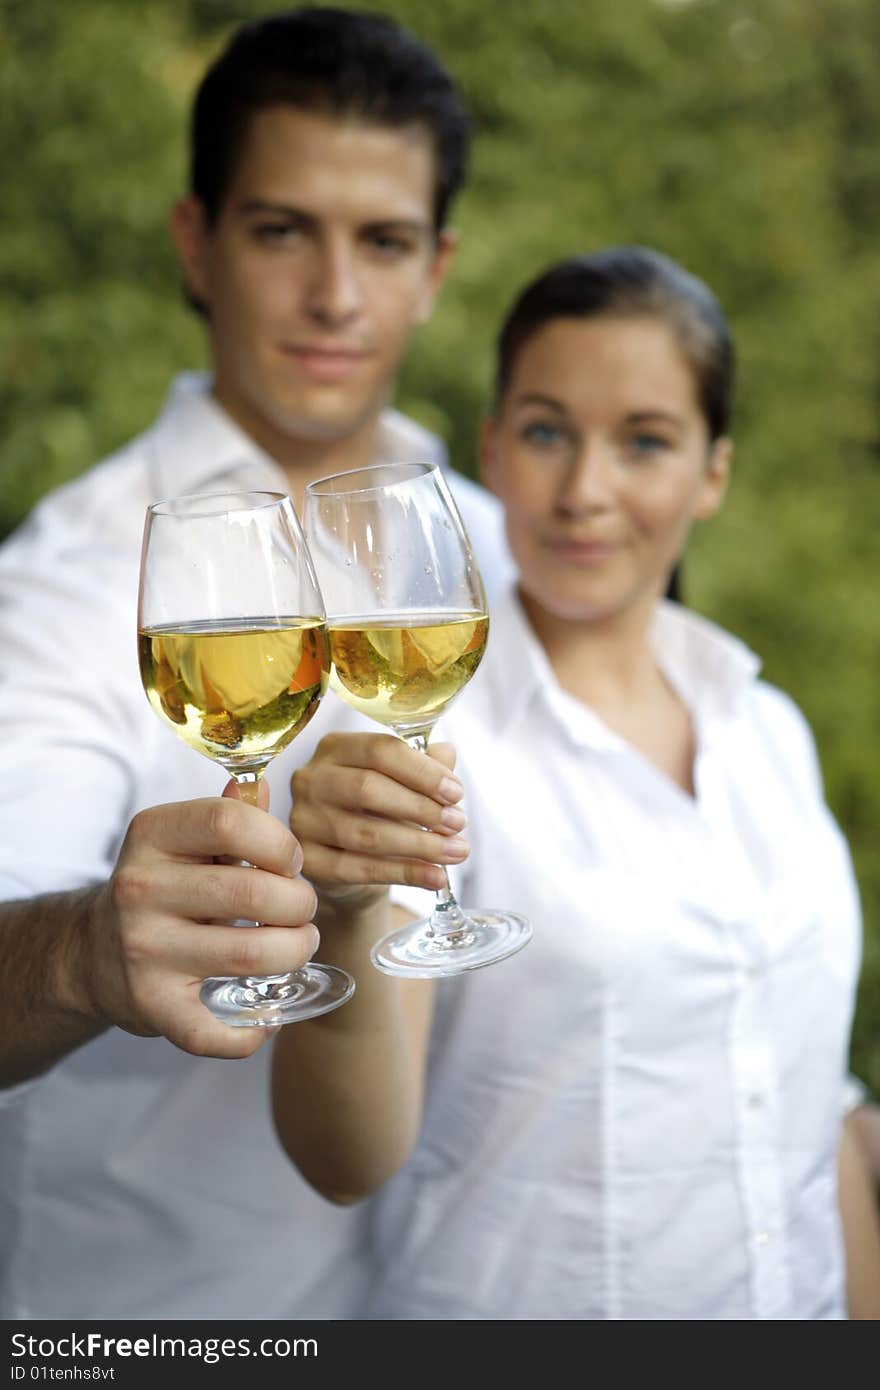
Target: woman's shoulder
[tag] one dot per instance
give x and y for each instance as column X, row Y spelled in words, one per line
column 782, row 728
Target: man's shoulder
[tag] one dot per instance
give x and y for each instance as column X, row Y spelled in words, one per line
column 104, row 504
column 483, row 519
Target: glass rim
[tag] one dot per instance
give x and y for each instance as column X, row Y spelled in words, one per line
column 186, row 504
column 406, row 473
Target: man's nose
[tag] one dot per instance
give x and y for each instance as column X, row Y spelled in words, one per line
column 334, row 291
column 588, row 483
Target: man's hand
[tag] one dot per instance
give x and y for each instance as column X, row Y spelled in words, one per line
column 156, row 930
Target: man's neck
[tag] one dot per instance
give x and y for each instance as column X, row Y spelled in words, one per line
column 306, row 460
column 302, row 459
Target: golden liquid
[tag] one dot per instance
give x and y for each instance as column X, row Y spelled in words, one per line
column 237, row 691
column 404, row 669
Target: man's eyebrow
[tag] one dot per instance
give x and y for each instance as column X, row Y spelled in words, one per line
column 265, row 207
column 399, row 224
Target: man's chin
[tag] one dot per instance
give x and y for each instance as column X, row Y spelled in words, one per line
column 325, row 428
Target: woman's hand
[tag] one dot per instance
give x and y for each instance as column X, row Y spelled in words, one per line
column 368, row 811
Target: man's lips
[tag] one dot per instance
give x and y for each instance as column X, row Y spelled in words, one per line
column 325, row 363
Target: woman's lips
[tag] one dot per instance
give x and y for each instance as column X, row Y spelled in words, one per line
column 583, row 552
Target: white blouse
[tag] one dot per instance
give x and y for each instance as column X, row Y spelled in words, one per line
column 638, row 1115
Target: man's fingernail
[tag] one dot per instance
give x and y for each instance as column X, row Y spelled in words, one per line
column 451, row 818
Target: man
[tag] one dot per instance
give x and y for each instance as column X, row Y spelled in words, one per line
column 140, row 1174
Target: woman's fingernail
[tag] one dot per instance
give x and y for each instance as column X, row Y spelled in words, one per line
column 453, row 819
column 450, row 789
column 456, row 849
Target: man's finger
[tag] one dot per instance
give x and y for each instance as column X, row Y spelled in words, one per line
column 214, row 826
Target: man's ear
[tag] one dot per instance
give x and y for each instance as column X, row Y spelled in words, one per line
column 715, row 479
column 488, row 455
column 447, row 243
column 189, row 232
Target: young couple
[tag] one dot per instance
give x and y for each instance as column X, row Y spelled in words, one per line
column 640, row 1112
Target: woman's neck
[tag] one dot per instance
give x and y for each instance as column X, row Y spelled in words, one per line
column 600, row 661
column 609, row 665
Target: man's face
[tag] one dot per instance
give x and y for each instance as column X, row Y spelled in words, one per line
column 322, row 261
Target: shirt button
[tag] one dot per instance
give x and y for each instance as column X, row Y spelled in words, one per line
column 762, row 1238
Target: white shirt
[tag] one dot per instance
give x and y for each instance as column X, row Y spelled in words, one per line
column 137, row 1181
column 638, row 1115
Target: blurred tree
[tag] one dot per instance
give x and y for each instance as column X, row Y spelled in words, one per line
column 739, row 137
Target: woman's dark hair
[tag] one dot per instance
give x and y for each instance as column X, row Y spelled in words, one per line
column 340, row 62
column 630, row 281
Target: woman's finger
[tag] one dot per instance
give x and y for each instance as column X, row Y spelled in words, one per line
column 334, row 866
column 389, row 755
column 375, row 837
column 365, row 790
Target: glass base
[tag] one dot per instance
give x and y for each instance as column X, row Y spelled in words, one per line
column 253, row 1003
column 486, row 936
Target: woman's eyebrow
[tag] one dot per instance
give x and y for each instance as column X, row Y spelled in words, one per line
column 536, row 398
column 636, row 417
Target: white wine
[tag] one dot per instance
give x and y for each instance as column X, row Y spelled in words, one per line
column 403, row 669
column 238, row 691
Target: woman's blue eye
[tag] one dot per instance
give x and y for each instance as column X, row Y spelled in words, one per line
column 542, row 434
column 648, row 443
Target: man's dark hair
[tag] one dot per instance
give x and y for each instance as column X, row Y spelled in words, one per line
column 333, row 61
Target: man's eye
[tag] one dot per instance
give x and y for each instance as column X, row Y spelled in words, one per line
column 275, row 233
column 391, row 246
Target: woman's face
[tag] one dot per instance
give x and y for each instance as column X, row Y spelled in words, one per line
column 601, row 456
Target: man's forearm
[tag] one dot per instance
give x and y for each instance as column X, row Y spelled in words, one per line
column 45, row 1011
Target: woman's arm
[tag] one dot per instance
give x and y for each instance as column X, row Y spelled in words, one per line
column 861, row 1226
column 347, row 1087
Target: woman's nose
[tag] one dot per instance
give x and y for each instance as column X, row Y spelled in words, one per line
column 588, row 482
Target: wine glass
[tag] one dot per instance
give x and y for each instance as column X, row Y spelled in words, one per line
column 234, row 658
column 408, row 623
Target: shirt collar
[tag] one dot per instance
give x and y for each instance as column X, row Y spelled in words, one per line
column 197, row 446
column 710, row 669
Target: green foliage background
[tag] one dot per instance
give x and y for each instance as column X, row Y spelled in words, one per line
column 741, row 138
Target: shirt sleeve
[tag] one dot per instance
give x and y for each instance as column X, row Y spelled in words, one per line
column 72, row 735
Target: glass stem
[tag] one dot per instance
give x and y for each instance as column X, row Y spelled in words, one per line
column 248, row 784
column 447, row 919
column 275, row 987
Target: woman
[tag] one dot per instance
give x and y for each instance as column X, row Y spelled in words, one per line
column 639, row 1116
